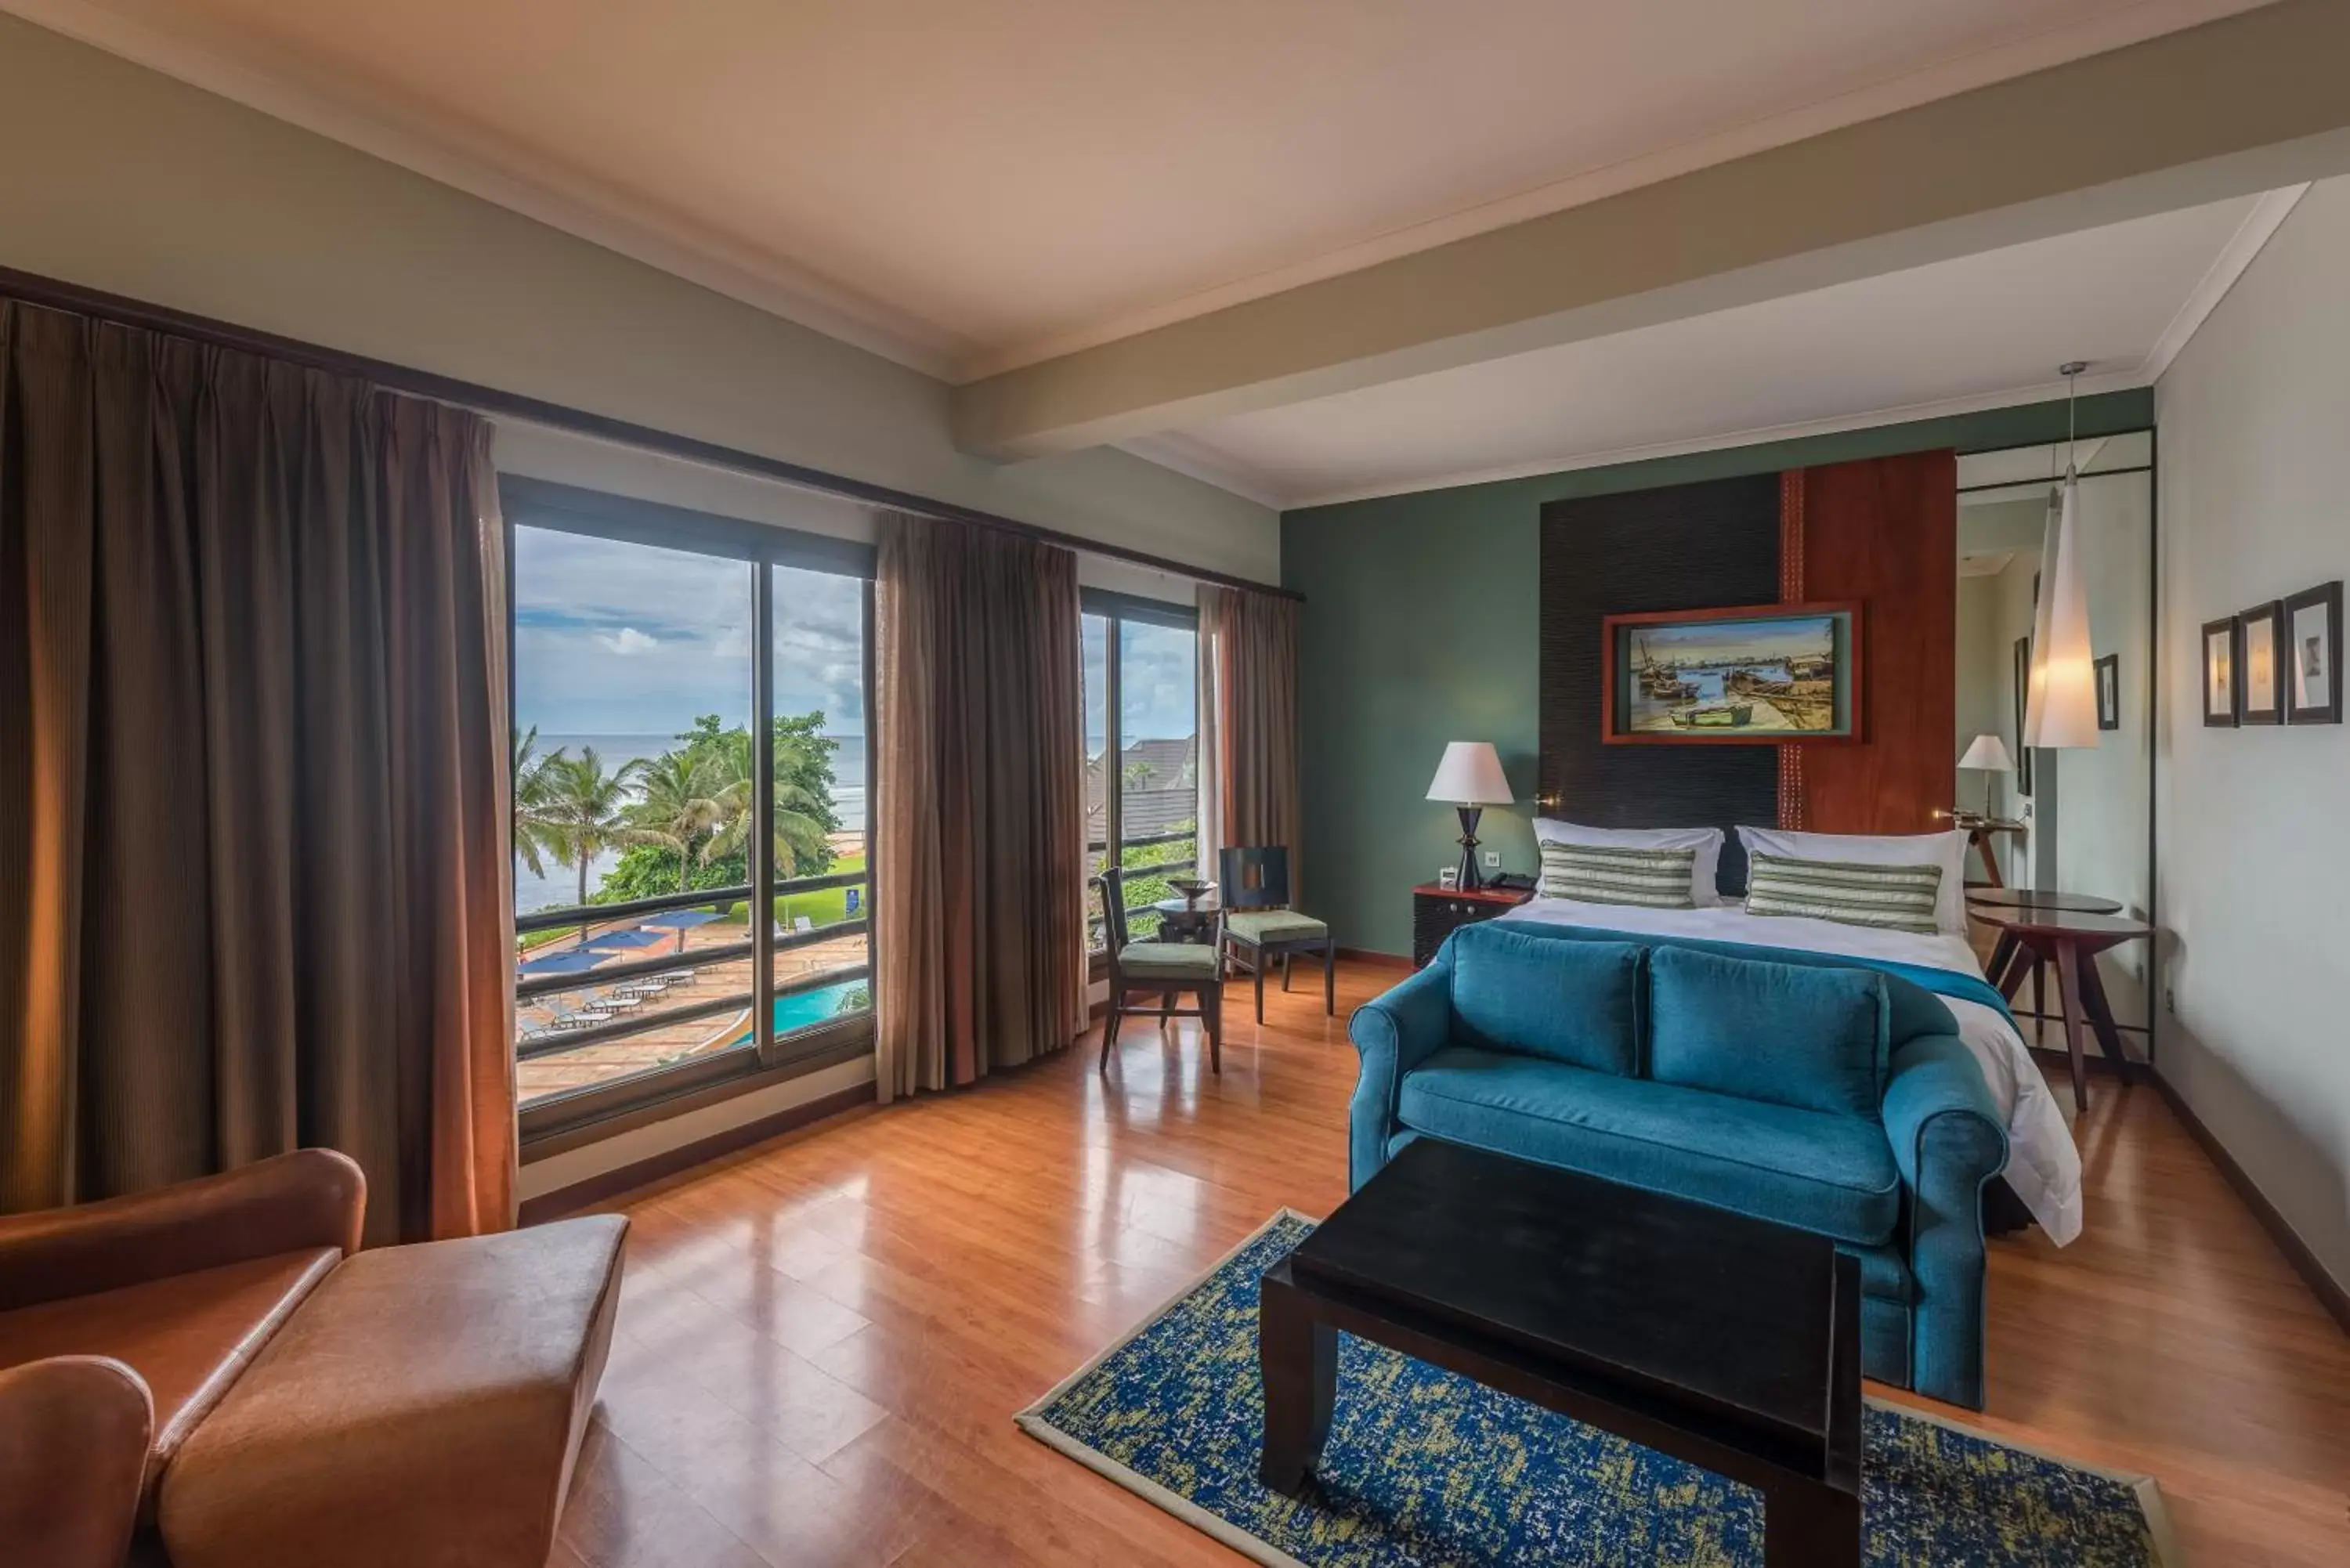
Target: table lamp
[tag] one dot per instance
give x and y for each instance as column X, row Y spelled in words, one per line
column 1987, row 756
column 1471, row 778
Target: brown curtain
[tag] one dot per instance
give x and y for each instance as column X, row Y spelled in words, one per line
column 252, row 714
column 1248, row 651
column 979, row 886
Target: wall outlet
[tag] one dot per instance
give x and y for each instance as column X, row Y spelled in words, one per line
column 1492, row 860
column 2170, row 1001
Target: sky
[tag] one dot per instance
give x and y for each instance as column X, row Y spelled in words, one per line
column 620, row 639
column 615, row 639
column 1760, row 640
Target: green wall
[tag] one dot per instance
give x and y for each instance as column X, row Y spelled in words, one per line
column 1419, row 627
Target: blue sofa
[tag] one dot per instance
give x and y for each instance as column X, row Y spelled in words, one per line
column 1779, row 1084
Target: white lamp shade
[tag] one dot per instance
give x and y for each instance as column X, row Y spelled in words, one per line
column 2062, row 708
column 1989, row 754
column 1469, row 774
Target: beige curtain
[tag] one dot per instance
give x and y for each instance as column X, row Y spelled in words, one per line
column 253, row 715
column 979, row 891
column 1249, row 651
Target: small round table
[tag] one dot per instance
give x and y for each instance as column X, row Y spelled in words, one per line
column 2071, row 940
column 2005, row 950
column 1186, row 922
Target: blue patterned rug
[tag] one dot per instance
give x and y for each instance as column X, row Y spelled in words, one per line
column 1424, row 1468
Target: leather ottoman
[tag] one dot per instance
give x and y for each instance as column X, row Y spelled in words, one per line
column 422, row 1410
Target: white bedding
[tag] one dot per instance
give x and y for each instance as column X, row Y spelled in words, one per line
column 2042, row 1166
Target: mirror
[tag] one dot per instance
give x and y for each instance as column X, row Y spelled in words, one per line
column 2072, row 819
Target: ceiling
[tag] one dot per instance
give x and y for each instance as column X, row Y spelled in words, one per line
column 1982, row 331
column 970, row 187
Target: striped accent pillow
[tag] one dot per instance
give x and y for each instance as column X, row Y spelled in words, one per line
column 1890, row 897
column 1604, row 874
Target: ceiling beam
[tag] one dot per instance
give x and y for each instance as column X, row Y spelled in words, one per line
column 2248, row 103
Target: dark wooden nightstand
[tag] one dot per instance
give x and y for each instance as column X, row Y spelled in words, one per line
column 1437, row 912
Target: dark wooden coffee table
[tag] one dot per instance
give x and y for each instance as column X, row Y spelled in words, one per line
column 1730, row 1343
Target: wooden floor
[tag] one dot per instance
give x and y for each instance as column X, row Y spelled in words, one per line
column 822, row 1342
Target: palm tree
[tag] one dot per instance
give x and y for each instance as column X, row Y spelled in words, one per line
column 798, row 836
column 677, row 806
column 580, row 816
column 530, row 795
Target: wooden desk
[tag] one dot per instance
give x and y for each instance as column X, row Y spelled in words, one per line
column 2071, row 941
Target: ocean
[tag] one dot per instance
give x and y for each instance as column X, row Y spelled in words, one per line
column 560, row 886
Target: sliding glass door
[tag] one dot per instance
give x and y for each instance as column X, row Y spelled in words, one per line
column 689, row 703
column 1142, row 748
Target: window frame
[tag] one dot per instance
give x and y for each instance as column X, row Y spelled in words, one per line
column 1115, row 609
column 571, row 1118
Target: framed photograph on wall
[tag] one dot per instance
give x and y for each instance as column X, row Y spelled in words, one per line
column 2222, row 680
column 2260, row 661
column 2312, row 632
column 1747, row 675
column 2107, row 672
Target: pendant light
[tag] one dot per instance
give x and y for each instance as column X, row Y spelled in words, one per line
column 2061, row 708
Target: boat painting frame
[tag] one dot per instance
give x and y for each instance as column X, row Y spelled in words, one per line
column 1615, row 632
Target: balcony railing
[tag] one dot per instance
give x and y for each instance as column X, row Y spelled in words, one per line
column 612, row 979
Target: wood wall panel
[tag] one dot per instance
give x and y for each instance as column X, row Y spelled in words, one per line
column 1886, row 532
column 1684, row 546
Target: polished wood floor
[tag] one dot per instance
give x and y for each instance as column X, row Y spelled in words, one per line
column 822, row 1341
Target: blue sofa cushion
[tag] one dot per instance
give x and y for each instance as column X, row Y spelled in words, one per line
column 1813, row 1039
column 1830, row 1174
column 1574, row 1003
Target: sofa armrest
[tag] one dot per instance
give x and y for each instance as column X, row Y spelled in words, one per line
column 1948, row 1142
column 1393, row 1033
column 1939, row 1115
column 74, row 1433
column 310, row 1198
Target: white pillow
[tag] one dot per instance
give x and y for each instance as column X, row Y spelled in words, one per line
column 1705, row 890
column 1948, row 850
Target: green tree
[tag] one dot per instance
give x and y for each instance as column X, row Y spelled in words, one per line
column 581, row 815
column 1143, row 891
column 720, row 759
column 529, row 802
column 804, row 815
column 677, row 807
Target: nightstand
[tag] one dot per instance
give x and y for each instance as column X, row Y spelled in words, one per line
column 1437, row 912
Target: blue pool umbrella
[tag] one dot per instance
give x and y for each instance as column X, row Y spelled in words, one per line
column 681, row 920
column 614, row 942
column 570, row 960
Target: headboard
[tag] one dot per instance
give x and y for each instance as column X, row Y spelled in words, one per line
column 1688, row 546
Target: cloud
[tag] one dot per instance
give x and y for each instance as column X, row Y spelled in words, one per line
column 629, row 640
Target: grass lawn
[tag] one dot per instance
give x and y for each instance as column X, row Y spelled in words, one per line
column 827, row 907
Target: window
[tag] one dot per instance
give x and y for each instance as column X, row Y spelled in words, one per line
column 1142, row 750
column 679, row 679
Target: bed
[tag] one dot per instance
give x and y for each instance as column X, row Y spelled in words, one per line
column 2044, row 1168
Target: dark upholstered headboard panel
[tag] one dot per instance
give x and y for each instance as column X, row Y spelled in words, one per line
column 1691, row 546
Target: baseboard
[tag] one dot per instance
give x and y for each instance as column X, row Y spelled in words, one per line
column 1376, row 960
column 2322, row 1284
column 622, row 1179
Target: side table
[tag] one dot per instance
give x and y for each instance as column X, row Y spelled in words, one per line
column 1438, row 912
column 2072, row 942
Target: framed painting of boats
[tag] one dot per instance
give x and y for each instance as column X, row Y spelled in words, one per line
column 1746, row 675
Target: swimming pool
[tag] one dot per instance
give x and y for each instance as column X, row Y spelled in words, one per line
column 810, row 1007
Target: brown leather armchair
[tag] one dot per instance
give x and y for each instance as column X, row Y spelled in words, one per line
column 123, row 1322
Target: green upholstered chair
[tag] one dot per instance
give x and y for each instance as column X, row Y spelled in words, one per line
column 1167, row 970
column 1259, row 925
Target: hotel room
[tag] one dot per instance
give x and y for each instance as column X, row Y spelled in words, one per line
column 790, row 785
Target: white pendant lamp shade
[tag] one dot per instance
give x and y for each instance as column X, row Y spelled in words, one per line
column 1988, row 753
column 1469, row 774
column 2062, row 706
